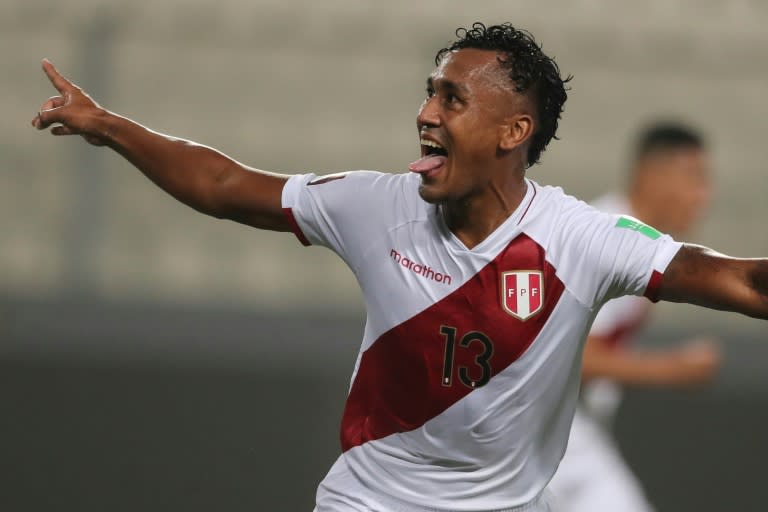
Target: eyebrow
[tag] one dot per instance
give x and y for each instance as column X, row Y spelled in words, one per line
column 448, row 85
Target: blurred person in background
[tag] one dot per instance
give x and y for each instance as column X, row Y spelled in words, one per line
column 480, row 285
column 669, row 187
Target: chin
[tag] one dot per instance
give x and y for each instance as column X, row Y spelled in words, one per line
column 434, row 194
column 431, row 195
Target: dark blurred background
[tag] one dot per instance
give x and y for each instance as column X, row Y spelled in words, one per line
column 155, row 359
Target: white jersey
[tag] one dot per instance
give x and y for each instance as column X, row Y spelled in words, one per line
column 592, row 476
column 465, row 385
column 619, row 319
column 618, row 322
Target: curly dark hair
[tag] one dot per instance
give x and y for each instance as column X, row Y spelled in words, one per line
column 531, row 71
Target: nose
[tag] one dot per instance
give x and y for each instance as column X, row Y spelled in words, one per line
column 429, row 114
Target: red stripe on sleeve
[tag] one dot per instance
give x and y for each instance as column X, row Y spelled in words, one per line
column 654, row 286
column 288, row 212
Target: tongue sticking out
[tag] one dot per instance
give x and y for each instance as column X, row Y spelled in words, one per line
column 427, row 163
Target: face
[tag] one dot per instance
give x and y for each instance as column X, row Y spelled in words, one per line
column 469, row 123
column 678, row 181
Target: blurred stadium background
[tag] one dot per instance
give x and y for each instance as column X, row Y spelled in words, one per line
column 155, row 359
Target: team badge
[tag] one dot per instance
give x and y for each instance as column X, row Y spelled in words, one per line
column 522, row 293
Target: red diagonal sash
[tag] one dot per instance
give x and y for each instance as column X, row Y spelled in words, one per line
column 418, row 369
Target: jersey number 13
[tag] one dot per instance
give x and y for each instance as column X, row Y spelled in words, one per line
column 480, row 373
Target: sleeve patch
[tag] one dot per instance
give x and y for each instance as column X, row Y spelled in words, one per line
column 635, row 225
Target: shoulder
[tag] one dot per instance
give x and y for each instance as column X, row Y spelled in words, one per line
column 360, row 181
column 549, row 196
column 377, row 197
column 396, row 193
column 554, row 211
column 350, row 182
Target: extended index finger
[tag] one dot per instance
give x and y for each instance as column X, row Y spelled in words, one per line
column 59, row 82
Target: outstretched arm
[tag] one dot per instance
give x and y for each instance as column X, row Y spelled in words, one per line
column 198, row 176
column 695, row 362
column 701, row 276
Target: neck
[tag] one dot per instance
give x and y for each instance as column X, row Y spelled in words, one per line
column 473, row 218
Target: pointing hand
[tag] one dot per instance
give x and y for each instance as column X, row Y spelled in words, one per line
column 72, row 112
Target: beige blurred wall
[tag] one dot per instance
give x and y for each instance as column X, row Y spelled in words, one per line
column 334, row 85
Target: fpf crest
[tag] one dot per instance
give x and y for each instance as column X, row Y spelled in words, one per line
column 522, row 293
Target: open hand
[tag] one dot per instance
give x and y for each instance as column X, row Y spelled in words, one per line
column 699, row 360
column 72, row 112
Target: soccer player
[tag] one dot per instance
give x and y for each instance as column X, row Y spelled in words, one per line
column 669, row 187
column 480, row 284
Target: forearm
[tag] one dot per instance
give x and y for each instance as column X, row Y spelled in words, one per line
column 189, row 172
column 637, row 369
column 701, row 276
column 199, row 176
column 694, row 362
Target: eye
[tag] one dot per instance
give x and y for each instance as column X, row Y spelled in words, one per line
column 430, row 92
column 451, row 100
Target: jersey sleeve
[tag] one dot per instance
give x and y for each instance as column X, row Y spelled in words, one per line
column 343, row 212
column 606, row 256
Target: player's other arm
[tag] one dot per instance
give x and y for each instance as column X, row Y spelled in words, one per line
column 695, row 362
column 698, row 275
column 198, row 176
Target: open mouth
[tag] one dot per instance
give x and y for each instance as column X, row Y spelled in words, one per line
column 431, row 148
column 433, row 157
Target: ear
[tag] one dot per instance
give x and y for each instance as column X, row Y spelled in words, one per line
column 515, row 131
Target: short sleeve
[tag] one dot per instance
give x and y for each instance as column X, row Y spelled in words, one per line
column 342, row 212
column 605, row 256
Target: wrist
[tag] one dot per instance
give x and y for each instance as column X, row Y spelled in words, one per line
column 109, row 126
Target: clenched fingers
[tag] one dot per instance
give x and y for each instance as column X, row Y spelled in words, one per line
column 47, row 117
column 50, row 104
